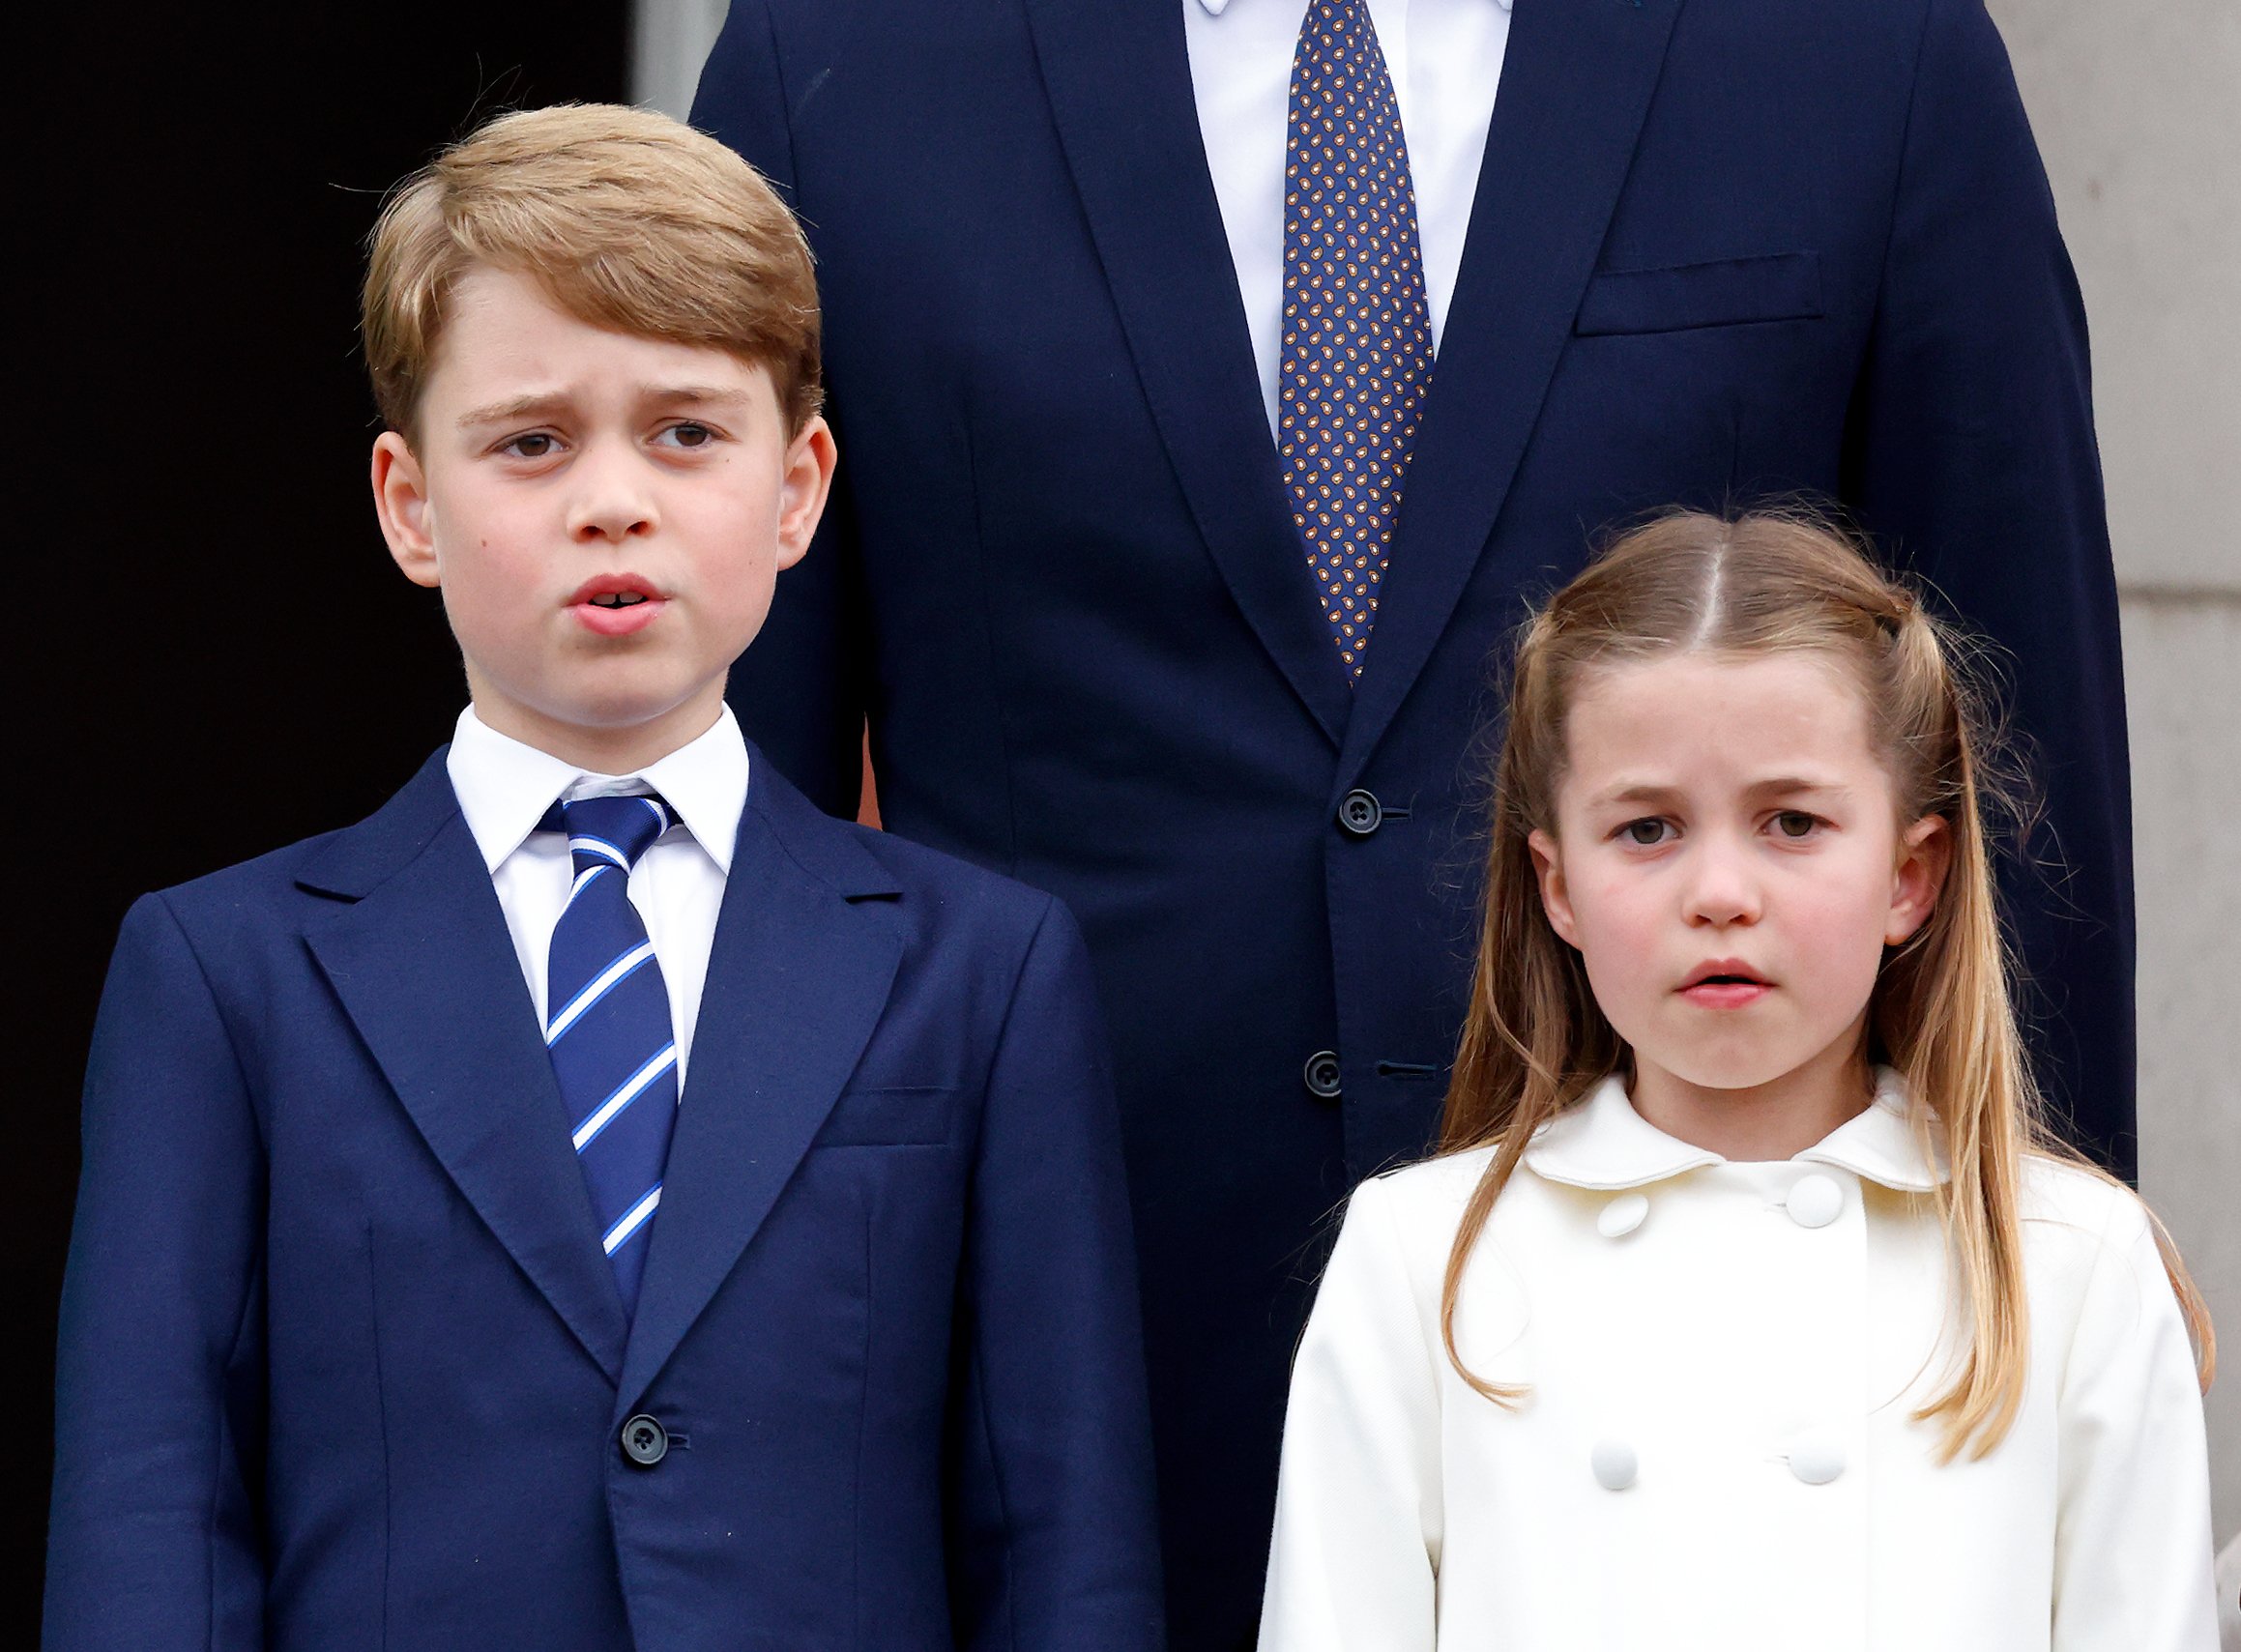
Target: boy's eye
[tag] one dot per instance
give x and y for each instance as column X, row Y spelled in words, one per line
column 690, row 434
column 1645, row 833
column 533, row 445
column 1795, row 823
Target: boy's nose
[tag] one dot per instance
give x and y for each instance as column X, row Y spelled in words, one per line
column 611, row 500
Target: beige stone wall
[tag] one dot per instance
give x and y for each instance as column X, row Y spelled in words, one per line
column 2138, row 110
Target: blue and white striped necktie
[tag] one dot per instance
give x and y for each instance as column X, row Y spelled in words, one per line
column 608, row 1026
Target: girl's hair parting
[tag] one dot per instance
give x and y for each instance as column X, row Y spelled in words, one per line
column 1535, row 1042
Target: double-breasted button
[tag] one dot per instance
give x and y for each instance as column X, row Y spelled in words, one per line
column 1816, row 1200
column 1622, row 1215
column 1321, row 1075
column 1613, row 1463
column 1359, row 813
column 1816, row 1461
column 645, row 1441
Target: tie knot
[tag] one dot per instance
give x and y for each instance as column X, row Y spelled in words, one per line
column 614, row 832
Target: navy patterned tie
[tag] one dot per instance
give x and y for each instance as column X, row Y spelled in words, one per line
column 1357, row 353
column 607, row 1026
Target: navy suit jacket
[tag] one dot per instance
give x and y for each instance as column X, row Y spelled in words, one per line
column 343, row 1366
column 1721, row 250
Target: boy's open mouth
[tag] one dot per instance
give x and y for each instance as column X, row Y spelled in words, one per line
column 619, row 599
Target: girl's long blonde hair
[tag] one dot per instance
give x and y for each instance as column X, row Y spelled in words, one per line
column 1535, row 1042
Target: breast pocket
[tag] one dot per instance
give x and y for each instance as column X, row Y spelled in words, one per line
column 1776, row 286
column 901, row 1116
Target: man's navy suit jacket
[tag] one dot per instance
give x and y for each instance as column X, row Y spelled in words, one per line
column 1721, row 250
column 343, row 1365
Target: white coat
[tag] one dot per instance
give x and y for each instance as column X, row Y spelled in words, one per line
column 1718, row 1449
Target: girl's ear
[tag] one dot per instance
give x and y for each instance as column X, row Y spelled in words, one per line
column 1549, row 872
column 1925, row 853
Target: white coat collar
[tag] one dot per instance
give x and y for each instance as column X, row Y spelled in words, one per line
column 1603, row 1144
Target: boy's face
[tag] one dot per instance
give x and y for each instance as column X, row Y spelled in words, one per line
column 605, row 514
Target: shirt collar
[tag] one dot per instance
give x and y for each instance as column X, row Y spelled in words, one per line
column 505, row 786
column 1603, row 1144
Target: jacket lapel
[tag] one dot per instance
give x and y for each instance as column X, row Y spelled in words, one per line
column 1575, row 85
column 804, row 957
column 1117, row 74
column 424, row 966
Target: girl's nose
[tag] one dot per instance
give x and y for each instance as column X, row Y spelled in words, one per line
column 1722, row 887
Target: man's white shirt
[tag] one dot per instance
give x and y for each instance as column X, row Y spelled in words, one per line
column 504, row 788
column 1446, row 60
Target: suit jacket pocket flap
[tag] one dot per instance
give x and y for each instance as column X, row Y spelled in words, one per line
column 1778, row 287
column 907, row 1115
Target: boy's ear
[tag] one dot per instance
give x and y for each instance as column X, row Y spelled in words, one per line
column 810, row 461
column 1924, row 856
column 400, row 502
column 1549, row 871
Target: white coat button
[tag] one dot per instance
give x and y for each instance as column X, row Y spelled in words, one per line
column 1613, row 1462
column 1816, row 1461
column 1622, row 1215
column 1816, row 1200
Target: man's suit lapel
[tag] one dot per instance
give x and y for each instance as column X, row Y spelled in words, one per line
column 805, row 951
column 423, row 964
column 1117, row 74
column 1575, row 85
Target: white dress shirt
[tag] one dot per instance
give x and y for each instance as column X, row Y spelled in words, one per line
column 677, row 886
column 1446, row 60
column 1718, row 1448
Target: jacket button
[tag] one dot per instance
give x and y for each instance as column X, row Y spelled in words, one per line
column 1615, row 1465
column 1359, row 813
column 1321, row 1075
column 1622, row 1215
column 1816, row 1200
column 645, row 1441
column 1816, row 1461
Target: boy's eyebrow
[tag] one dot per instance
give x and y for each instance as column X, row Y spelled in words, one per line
column 544, row 404
column 513, row 407
column 720, row 394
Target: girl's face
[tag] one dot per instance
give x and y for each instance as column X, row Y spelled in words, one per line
column 1729, row 861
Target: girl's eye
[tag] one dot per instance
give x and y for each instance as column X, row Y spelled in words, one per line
column 533, row 445
column 1646, row 833
column 1795, row 823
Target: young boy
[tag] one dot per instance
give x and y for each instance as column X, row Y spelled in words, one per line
column 600, row 1202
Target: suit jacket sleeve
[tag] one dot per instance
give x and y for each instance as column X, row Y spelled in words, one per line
column 1355, row 1554
column 2133, row 1566
column 801, row 691
column 1972, row 454
column 152, row 1539
column 1051, row 1481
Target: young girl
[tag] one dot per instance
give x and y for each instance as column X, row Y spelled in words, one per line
column 1749, row 1305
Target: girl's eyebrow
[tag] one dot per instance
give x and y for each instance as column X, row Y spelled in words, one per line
column 1655, row 795
column 1789, row 785
column 1640, row 792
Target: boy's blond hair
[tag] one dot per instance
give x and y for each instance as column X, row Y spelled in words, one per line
column 627, row 219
